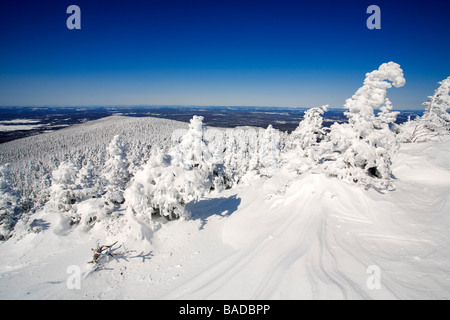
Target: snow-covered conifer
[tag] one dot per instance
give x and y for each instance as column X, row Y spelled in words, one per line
column 116, row 174
column 88, row 181
column 309, row 132
column 269, row 151
column 363, row 147
column 252, row 149
column 64, row 190
column 168, row 181
column 9, row 203
column 193, row 153
column 192, row 150
column 436, row 116
column 434, row 121
column 216, row 142
column 163, row 187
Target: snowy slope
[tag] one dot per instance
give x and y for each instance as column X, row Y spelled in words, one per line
column 34, row 158
column 286, row 237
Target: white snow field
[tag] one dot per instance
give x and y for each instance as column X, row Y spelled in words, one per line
column 291, row 236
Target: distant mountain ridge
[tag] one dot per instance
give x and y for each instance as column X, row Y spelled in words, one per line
column 46, row 119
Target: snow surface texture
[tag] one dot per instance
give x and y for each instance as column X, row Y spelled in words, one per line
column 286, row 237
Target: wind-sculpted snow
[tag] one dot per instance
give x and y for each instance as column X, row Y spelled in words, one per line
column 315, row 238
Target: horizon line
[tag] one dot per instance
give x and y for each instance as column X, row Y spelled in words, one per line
column 180, row 106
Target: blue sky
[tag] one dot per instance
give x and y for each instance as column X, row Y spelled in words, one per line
column 259, row 53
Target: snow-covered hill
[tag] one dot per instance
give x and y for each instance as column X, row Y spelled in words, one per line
column 285, row 237
column 34, row 158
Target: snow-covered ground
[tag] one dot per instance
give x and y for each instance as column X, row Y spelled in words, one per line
column 286, row 237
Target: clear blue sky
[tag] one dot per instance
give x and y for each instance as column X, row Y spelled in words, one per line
column 266, row 53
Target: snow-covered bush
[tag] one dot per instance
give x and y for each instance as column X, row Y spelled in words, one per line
column 361, row 150
column 115, row 173
column 9, row 203
column 414, row 131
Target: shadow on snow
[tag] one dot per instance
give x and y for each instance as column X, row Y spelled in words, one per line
column 221, row 207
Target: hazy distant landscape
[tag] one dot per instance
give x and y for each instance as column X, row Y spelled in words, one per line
column 20, row 122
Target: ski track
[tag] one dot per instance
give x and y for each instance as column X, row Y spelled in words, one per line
column 334, row 261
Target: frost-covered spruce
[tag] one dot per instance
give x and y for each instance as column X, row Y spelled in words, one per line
column 152, row 192
column 250, row 150
column 363, row 147
column 436, row 116
column 309, row 132
column 269, row 151
column 88, row 181
column 434, row 121
column 163, row 188
column 9, row 203
column 192, row 150
column 168, row 181
column 216, row 140
column 116, row 174
column 193, row 153
column 235, row 159
column 64, row 189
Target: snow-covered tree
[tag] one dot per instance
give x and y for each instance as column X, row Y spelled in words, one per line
column 363, row 147
column 64, row 192
column 116, row 174
column 253, row 143
column 216, row 140
column 233, row 155
column 193, row 153
column 436, row 116
column 163, row 187
column 168, row 181
column 9, row 203
column 88, row 181
column 309, row 132
column 434, row 121
column 386, row 117
column 269, row 151
column 140, row 194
